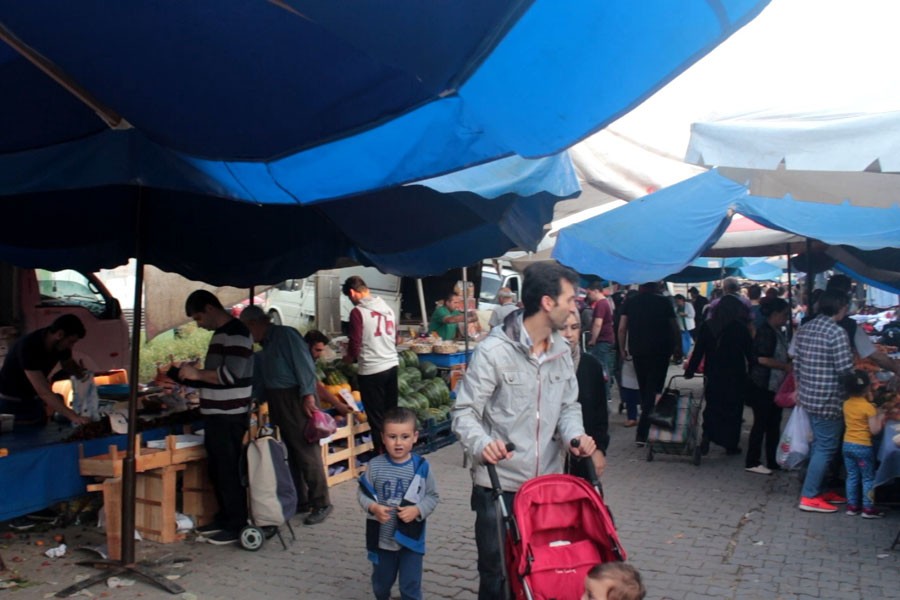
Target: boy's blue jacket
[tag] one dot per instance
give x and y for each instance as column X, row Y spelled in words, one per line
column 409, row 535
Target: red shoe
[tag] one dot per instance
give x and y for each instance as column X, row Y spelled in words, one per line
column 816, row 505
column 833, row 497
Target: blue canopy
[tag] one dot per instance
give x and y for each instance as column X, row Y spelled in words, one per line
column 413, row 230
column 660, row 234
column 170, row 110
column 297, row 101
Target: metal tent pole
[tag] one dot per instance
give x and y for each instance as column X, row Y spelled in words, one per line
column 790, row 292
column 110, row 568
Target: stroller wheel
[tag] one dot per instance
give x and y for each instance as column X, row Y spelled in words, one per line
column 252, row 538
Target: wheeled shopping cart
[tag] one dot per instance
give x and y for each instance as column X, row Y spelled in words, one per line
column 684, row 438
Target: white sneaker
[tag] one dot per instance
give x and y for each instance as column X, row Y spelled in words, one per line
column 759, row 469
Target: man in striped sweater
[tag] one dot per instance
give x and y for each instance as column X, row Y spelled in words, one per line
column 225, row 383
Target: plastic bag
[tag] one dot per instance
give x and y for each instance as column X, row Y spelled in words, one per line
column 786, row 396
column 793, row 447
column 320, row 425
column 85, row 399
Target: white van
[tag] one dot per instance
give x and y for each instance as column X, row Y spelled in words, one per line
column 492, row 281
column 317, row 301
column 34, row 298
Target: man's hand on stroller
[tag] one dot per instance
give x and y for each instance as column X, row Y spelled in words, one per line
column 382, row 513
column 585, row 446
column 409, row 513
column 495, row 452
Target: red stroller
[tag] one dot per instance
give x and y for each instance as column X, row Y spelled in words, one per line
column 558, row 530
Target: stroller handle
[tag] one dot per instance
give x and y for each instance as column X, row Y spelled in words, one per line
column 589, row 467
column 492, row 470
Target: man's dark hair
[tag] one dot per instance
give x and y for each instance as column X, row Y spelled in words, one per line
column 70, row 325
column 595, row 285
column 199, row 300
column 840, row 283
column 314, row 336
column 451, row 295
column 754, row 292
column 544, row 279
column 771, row 306
column 693, row 291
column 400, row 415
column 354, row 283
column 831, row 302
column 680, row 297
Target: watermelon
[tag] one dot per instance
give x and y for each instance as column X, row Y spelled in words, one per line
column 403, row 387
column 428, row 369
column 412, row 374
column 410, row 358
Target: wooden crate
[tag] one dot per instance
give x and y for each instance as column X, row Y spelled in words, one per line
column 112, row 507
column 154, row 510
column 110, row 464
column 198, row 498
column 341, row 449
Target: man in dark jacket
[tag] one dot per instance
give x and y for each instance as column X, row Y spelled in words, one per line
column 649, row 334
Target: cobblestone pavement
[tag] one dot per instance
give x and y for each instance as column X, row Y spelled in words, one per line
column 706, row 532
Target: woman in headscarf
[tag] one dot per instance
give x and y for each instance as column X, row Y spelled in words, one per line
column 591, row 391
column 724, row 340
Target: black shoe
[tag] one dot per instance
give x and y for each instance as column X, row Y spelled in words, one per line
column 209, row 529
column 318, row 515
column 640, row 444
column 774, row 467
column 704, row 446
column 621, row 407
column 224, row 538
column 302, row 509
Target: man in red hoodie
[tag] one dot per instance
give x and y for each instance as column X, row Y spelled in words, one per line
column 373, row 333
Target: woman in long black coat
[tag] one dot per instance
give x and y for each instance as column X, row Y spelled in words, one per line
column 591, row 392
column 725, row 342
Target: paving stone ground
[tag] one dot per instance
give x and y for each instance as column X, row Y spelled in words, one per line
column 707, row 532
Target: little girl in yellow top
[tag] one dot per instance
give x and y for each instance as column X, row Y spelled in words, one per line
column 862, row 420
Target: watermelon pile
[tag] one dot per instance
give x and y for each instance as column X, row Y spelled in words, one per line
column 336, row 372
column 421, row 390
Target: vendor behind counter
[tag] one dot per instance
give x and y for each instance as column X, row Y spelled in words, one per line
column 24, row 385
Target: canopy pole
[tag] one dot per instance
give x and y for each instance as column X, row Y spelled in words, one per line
column 810, row 277
column 110, row 568
column 790, row 291
column 112, row 119
column 465, row 295
column 421, row 290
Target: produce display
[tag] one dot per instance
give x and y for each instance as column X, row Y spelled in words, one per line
column 421, row 390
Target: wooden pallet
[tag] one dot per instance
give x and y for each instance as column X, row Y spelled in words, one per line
column 342, row 448
column 110, row 464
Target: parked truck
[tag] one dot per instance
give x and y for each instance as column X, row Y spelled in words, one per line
column 317, row 301
column 34, row 298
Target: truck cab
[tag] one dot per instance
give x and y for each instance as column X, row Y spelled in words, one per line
column 317, row 301
column 492, row 280
column 34, row 298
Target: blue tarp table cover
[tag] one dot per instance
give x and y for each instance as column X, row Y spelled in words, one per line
column 40, row 471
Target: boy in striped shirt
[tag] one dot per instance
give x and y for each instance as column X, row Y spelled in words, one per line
column 398, row 493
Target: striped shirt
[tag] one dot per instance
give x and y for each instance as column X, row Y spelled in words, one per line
column 394, row 482
column 822, row 355
column 230, row 354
